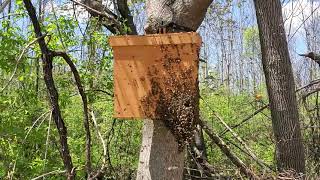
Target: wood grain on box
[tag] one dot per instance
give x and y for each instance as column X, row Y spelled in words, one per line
column 142, row 60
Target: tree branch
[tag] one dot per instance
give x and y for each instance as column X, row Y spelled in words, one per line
column 4, row 5
column 314, row 56
column 305, row 94
column 47, row 58
column 226, row 150
column 107, row 18
column 247, row 118
column 49, row 173
column 125, row 13
column 103, row 91
column 202, row 161
column 101, row 171
column 85, row 106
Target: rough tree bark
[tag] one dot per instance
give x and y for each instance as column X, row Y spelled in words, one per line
column 280, row 85
column 176, row 15
column 159, row 155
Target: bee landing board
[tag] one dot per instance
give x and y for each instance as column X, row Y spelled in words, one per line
column 153, row 71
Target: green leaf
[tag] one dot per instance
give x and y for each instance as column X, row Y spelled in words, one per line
column 21, row 78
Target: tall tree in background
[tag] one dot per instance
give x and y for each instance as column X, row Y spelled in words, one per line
column 280, row 85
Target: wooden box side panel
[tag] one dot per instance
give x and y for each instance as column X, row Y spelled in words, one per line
column 131, row 83
column 137, row 68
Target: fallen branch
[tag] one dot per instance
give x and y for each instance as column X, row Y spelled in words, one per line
column 197, row 161
column 247, row 118
column 313, row 89
column 49, row 173
column 101, row 171
column 226, row 150
column 314, row 82
column 206, row 166
column 246, row 147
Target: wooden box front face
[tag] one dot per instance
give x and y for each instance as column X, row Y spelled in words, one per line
column 143, row 74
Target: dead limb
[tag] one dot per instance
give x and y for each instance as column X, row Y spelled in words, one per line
column 247, row 118
column 226, row 150
column 101, row 171
column 49, row 173
column 246, row 147
column 316, row 81
column 201, row 162
column 237, row 137
column 310, row 85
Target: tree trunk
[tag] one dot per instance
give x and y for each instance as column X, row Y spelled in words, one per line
column 186, row 15
column 159, row 155
column 280, row 85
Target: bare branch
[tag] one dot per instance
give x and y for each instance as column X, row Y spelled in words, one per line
column 103, row 166
column 47, row 58
column 108, row 20
column 308, row 85
column 103, row 91
column 247, row 118
column 246, row 147
column 85, row 105
column 303, row 23
column 47, row 140
column 226, row 150
column 49, row 173
column 125, row 13
column 202, row 161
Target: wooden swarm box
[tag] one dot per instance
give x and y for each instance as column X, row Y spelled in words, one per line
column 151, row 69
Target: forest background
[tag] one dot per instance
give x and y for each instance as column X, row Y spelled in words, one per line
column 232, row 85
